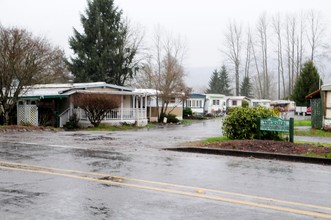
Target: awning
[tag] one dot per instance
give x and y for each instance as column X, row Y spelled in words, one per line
column 314, row 95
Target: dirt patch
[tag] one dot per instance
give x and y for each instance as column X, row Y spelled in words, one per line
column 269, row 146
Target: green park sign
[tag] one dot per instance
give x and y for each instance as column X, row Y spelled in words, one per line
column 276, row 124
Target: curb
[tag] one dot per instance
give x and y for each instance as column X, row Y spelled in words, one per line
column 260, row 155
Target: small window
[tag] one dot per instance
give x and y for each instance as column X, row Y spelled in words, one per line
column 173, row 100
column 216, row 102
column 234, row 102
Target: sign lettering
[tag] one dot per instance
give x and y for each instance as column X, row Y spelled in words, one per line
column 274, row 124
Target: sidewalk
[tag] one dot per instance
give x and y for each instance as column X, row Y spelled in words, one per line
column 321, row 140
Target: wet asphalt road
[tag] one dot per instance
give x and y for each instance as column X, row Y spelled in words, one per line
column 127, row 175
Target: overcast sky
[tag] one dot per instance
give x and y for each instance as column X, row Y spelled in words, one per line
column 200, row 23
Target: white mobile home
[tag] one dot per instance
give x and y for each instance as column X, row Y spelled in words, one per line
column 260, row 102
column 196, row 102
column 153, row 106
column 215, row 103
column 284, row 105
column 52, row 104
column 236, row 101
column 326, row 100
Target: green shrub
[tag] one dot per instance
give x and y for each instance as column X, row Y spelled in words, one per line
column 172, row 118
column 187, row 112
column 73, row 122
column 241, row 123
column 244, row 104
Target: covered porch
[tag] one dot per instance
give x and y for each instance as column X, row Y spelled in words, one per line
column 133, row 110
column 53, row 103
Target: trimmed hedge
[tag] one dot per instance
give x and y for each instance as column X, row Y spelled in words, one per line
column 241, row 123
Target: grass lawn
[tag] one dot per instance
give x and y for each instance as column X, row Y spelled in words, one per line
column 313, row 132
column 215, row 139
column 309, row 132
column 107, row 127
column 299, row 123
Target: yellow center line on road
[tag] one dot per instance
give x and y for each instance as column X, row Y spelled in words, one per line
column 172, row 185
column 217, row 198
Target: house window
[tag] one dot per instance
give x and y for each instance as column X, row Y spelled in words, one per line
column 216, row 102
column 194, row 103
column 234, row 102
column 173, row 100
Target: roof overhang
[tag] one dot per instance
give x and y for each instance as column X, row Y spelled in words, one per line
column 326, row 87
column 106, row 92
column 315, row 94
column 44, row 97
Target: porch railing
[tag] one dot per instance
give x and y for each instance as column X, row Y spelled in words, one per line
column 124, row 114
column 64, row 117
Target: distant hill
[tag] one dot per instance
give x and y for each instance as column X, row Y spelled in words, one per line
column 198, row 77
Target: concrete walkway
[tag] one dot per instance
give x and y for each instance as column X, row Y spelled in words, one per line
column 321, row 140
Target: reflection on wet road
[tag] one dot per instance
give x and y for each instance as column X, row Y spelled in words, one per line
column 125, row 175
column 235, row 198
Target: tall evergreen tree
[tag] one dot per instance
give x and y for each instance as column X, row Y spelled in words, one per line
column 307, row 82
column 101, row 51
column 246, row 87
column 214, row 83
column 219, row 82
column 224, row 82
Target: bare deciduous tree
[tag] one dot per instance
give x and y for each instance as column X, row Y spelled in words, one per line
column 25, row 60
column 277, row 51
column 164, row 71
column 262, row 28
column 248, row 58
column 280, row 64
column 96, row 106
column 233, row 47
column 294, row 29
column 314, row 33
column 172, row 83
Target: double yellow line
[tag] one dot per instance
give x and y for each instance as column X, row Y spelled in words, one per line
column 218, row 195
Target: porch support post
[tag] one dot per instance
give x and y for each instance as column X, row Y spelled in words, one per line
column 122, row 108
column 132, row 101
column 145, row 116
column 141, row 106
column 150, row 108
column 25, row 112
column 136, row 109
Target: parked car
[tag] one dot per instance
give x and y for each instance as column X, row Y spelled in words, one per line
column 303, row 110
